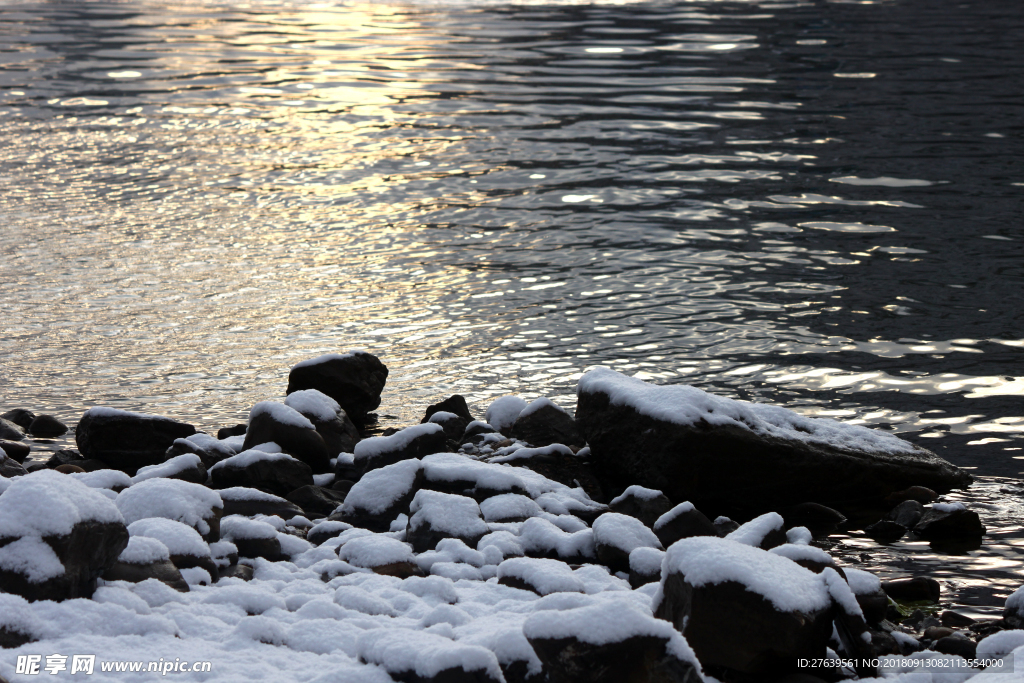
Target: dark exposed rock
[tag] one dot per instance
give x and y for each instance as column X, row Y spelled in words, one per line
column 737, row 468
column 908, row 513
column 10, row 431
column 326, row 530
column 942, row 524
column 911, row 590
column 819, row 519
column 316, row 499
column 355, row 380
column 17, row 450
column 251, row 503
column 267, row 548
column 645, row 504
column 19, row 416
column 725, row 526
column 956, row 645
column 10, row 639
column 127, row 441
column 92, row 464
column 163, row 570
column 640, row 658
column 237, row 571
column 454, row 426
column 9, row 467
column 342, row 486
column 47, row 426
column 401, row 570
column 182, row 561
column 412, row 442
column 68, row 469
column 346, row 469
column 276, row 475
column 885, row 531
column 381, row 495
column 955, row 619
column 237, row 430
column 280, row 424
column 455, row 404
column 874, row 606
column 921, row 494
column 67, row 456
column 209, row 456
column 543, row 423
column 86, row 553
column 683, row 521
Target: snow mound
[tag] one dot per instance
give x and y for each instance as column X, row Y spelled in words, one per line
column 447, row 513
column 680, row 509
column 327, row 357
column 862, row 582
column 313, row 403
column 381, row 488
column 539, row 403
column 32, row 557
column 103, row 479
column 623, row 532
column 638, row 492
column 375, row 446
column 182, row 501
column 754, row 531
column 246, row 458
column 48, row 503
column 178, row 538
column 509, row 506
column 503, row 412
column 235, row 527
column 144, row 550
column 401, row 651
column 541, row 575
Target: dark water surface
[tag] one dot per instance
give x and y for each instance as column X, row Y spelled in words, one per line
column 815, row 204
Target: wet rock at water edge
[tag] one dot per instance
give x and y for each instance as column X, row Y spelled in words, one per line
column 15, row 449
column 127, row 441
column 543, row 423
column 921, row 494
column 908, row 513
column 276, row 473
column 271, row 422
column 47, row 426
column 355, row 380
column 227, row 432
column 741, row 458
column 819, row 519
column 9, row 467
column 455, row 404
column 944, row 522
column 65, row 456
column 913, row 589
column 10, row 431
column 453, row 425
column 885, row 531
column 20, row 417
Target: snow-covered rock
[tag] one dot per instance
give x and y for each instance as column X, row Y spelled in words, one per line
column 332, row 423
column 722, row 454
column 146, row 558
column 502, row 413
column 765, row 531
column 186, row 547
column 647, row 505
column 616, row 536
column 382, row 494
column 682, row 521
column 435, row 516
column 248, row 502
column 291, row 430
column 127, row 441
column 411, row 442
column 743, row 608
column 182, row 501
column 277, row 473
column 354, row 379
column 187, row 467
column 543, row 423
column 57, row 536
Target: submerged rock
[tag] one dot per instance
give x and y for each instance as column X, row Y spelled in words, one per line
column 47, row 426
column 19, row 416
column 742, row 458
column 355, row 380
column 127, row 441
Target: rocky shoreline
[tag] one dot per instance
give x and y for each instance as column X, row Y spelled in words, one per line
column 658, row 534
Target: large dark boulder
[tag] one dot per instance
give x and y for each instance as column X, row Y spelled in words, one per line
column 743, row 609
column 127, row 441
column 741, row 459
column 271, row 422
column 353, row 379
column 60, row 534
column 316, row 500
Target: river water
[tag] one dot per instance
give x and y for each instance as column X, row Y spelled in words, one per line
column 815, row 204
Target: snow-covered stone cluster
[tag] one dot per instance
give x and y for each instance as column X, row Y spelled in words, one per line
column 454, row 550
